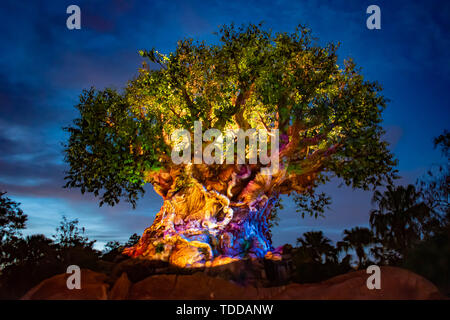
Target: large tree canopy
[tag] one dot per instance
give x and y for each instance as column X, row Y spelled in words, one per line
column 327, row 115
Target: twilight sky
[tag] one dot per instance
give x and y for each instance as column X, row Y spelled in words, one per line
column 44, row 66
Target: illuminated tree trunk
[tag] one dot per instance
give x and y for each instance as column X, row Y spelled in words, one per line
column 196, row 227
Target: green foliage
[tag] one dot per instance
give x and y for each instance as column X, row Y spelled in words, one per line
column 311, row 203
column 100, row 148
column 250, row 79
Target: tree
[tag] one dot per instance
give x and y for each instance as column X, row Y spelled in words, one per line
column 12, row 221
column 357, row 238
column 112, row 246
column 73, row 247
column 134, row 238
column 317, row 246
column 435, row 186
column 435, row 249
column 12, row 218
column 114, row 249
column 317, row 259
column 68, row 234
column 399, row 222
column 327, row 120
column 35, row 259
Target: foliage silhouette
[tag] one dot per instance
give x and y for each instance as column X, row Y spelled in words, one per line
column 400, row 221
column 357, row 238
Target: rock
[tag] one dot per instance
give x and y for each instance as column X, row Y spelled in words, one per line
column 189, row 287
column 121, row 288
column 93, row 287
column 154, row 287
column 396, row 283
column 138, row 269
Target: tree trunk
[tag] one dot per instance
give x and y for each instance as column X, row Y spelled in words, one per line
column 196, row 227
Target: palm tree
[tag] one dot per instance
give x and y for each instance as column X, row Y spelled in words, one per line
column 400, row 220
column 357, row 238
column 317, row 246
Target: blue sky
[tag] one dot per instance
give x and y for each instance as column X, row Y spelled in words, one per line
column 44, row 66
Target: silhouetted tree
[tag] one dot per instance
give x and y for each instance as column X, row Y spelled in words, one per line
column 435, row 186
column 398, row 222
column 358, row 239
column 115, row 248
column 35, row 259
column 134, row 238
column 112, row 246
column 317, row 246
column 431, row 257
column 37, row 249
column 73, row 246
column 316, row 259
column 12, row 221
column 68, row 234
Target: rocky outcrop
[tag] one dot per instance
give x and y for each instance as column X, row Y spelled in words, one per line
column 396, row 283
column 190, row 287
column 94, row 286
column 121, row 288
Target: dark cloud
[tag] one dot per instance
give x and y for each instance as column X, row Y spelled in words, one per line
column 24, row 104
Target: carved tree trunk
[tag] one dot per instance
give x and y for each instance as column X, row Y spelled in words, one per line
column 196, row 227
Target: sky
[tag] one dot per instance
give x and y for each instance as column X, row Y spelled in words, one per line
column 44, row 66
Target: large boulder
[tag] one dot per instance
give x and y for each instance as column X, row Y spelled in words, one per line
column 94, row 286
column 189, row 287
column 121, row 288
column 396, row 283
